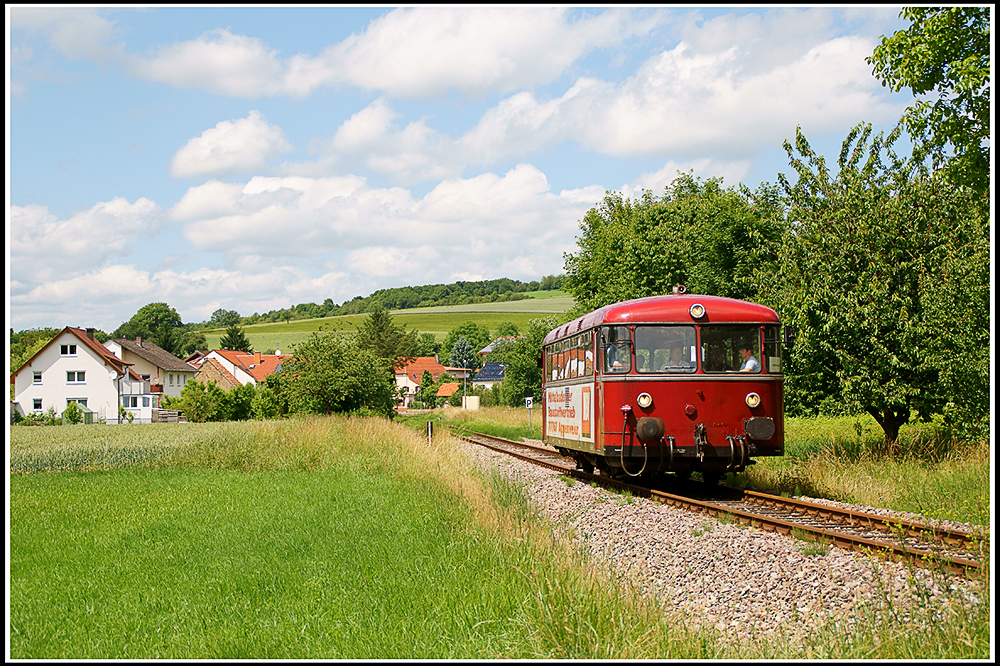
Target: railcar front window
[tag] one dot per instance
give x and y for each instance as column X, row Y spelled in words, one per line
column 616, row 344
column 731, row 348
column 665, row 349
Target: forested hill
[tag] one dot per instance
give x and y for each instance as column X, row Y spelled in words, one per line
column 401, row 298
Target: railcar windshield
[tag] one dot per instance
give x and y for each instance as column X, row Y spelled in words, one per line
column 616, row 347
column 731, row 348
column 665, row 349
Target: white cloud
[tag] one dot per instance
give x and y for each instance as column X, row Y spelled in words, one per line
column 79, row 32
column 685, row 103
column 232, row 146
column 112, row 294
column 44, row 248
column 415, row 52
column 479, row 222
column 688, row 101
column 426, row 51
column 219, row 62
column 408, row 155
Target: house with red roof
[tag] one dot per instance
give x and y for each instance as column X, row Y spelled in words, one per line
column 448, row 389
column 232, row 368
column 408, row 376
column 75, row 367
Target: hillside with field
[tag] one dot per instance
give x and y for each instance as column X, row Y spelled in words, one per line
column 436, row 320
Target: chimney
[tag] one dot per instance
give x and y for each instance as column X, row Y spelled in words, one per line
column 256, row 358
column 90, row 333
column 138, row 340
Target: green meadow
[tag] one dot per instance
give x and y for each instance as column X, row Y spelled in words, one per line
column 345, row 538
column 437, row 320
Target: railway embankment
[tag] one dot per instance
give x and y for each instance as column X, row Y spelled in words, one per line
column 757, row 588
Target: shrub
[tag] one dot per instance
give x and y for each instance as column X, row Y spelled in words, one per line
column 73, row 414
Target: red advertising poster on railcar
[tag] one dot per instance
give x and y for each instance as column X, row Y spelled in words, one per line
column 567, row 413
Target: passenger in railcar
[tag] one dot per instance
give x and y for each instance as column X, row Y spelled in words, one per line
column 750, row 363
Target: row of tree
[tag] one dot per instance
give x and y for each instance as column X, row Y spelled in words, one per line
column 400, row 298
column 880, row 267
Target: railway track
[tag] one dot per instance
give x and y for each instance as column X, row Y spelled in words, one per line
column 922, row 544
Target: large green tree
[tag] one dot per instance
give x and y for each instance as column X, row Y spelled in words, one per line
column 714, row 240
column 427, row 345
column 329, row 373
column 235, row 339
column 225, row 318
column 157, row 322
column 478, row 336
column 886, row 283
column 190, row 342
column 944, row 55
column 379, row 334
column 523, row 374
column 462, row 354
column 200, row 402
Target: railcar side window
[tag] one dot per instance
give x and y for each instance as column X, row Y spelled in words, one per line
column 665, row 349
column 570, row 358
column 772, row 349
column 721, row 348
column 616, row 346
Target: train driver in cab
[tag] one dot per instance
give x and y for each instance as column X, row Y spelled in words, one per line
column 616, row 354
column 676, row 359
column 750, row 364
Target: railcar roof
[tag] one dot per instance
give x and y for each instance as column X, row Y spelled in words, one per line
column 669, row 309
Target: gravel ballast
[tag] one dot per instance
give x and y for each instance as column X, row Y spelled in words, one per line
column 742, row 581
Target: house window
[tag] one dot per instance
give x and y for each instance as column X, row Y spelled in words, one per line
column 171, row 380
column 130, row 401
column 80, row 401
column 67, row 350
column 37, row 404
column 75, row 377
column 36, row 377
column 145, row 401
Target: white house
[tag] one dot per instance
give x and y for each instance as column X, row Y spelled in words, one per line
column 165, row 373
column 74, row 367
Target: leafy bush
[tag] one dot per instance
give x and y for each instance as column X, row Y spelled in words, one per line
column 331, row 375
column 72, row 414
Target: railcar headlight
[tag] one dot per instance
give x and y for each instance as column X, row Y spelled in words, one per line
column 645, row 400
column 752, row 400
column 697, row 310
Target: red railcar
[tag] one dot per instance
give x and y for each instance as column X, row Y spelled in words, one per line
column 680, row 383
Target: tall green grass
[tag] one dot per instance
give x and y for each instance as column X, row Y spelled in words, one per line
column 926, row 471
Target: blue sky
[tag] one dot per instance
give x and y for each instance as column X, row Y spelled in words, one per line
column 252, row 158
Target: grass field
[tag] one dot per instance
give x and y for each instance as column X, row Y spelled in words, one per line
column 437, row 320
column 316, row 538
column 337, row 538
